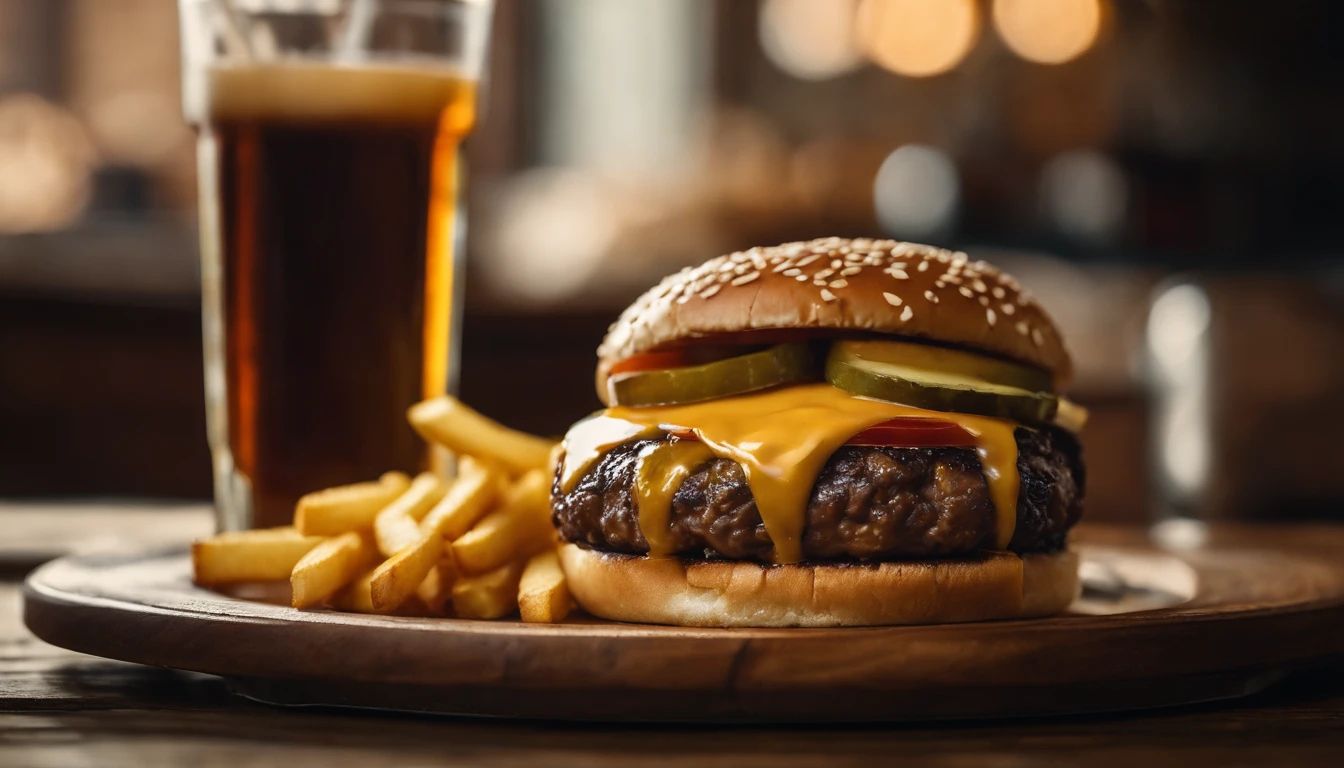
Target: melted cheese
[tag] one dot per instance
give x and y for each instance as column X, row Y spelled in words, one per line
column 589, row 439
column 782, row 438
column 661, row 470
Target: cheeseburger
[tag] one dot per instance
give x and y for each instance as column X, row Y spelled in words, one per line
column 831, row 433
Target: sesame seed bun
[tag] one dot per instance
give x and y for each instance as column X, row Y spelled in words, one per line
column 719, row 593
column 872, row 286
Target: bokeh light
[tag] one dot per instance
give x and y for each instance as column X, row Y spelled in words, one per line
column 555, row 226
column 1048, row 31
column 810, row 39
column 917, row 38
column 46, row 161
column 1085, row 194
column 916, row 191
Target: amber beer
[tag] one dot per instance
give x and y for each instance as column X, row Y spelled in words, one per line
column 336, row 191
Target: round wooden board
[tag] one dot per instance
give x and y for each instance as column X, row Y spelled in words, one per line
column 1155, row 628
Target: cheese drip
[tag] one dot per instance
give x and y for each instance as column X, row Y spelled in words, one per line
column 588, row 440
column 661, row 470
column 783, row 438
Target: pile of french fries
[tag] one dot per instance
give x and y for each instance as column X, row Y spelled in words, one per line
column 479, row 546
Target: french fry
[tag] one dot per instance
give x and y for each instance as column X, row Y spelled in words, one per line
column 491, row 595
column 398, row 577
column 397, row 525
column 467, row 500
column 357, row 597
column 330, row 566
column 519, row 529
column 464, row 503
column 543, row 595
column 437, row 588
column 347, row 508
column 263, row 555
column 445, row 420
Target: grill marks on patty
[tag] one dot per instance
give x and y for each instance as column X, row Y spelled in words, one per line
column 869, row 503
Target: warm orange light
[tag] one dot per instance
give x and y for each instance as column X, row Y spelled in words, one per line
column 918, row 38
column 810, row 39
column 1048, row 31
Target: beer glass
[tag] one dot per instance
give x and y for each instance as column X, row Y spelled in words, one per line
column 328, row 144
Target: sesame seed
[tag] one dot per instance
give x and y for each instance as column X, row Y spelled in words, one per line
column 727, row 266
column 899, row 274
column 836, row 263
column 793, row 272
column 1021, row 327
column 782, row 265
column 801, row 278
column 892, row 299
column 742, row 268
column 827, row 295
column 939, row 284
column 841, row 283
column 850, row 271
column 683, row 299
column 989, row 315
column 713, row 289
column 952, row 278
column 984, row 301
column 979, row 286
column 931, row 296
column 967, row 292
column 803, row 262
column 907, row 313
column 1036, row 337
column 999, row 292
column 923, row 266
column 823, row 274
column 1008, row 309
column 747, row 278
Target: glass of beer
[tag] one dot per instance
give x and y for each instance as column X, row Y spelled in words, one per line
column 328, row 164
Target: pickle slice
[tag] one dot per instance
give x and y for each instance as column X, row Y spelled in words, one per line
column 927, row 357
column 936, row 390
column 782, row 364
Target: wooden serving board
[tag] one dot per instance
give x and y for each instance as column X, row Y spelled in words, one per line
column 1154, row 628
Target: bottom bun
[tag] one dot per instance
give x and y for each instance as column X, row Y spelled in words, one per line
column 722, row 593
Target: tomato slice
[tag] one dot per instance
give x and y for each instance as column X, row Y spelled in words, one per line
column 896, row 433
column 651, row 361
column 915, row 433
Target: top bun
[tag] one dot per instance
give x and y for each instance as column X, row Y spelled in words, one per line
column 873, row 286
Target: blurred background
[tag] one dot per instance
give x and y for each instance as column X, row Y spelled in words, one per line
column 1166, row 175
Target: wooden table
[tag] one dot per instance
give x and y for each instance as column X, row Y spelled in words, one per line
column 62, row 708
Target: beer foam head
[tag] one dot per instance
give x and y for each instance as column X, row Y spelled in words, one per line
column 322, row 93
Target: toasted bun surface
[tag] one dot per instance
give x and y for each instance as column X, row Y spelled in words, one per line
column 876, row 286
column 743, row 594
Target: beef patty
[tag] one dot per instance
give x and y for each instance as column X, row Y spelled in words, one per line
column 869, row 503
